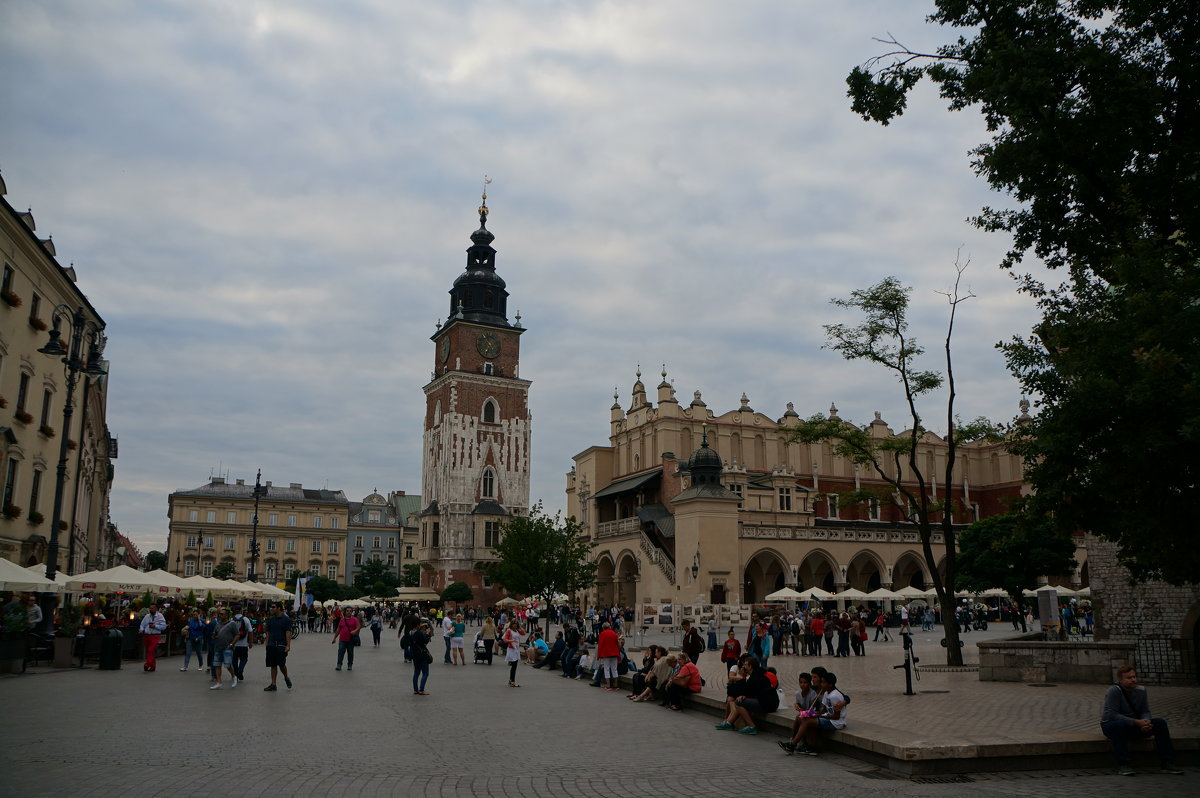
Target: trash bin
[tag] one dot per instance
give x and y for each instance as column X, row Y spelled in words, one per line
column 110, row 651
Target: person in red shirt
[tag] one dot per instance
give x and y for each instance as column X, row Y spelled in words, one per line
column 608, row 649
column 346, row 628
column 731, row 652
column 684, row 683
column 818, row 630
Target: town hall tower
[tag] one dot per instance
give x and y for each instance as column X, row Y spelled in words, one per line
column 475, row 468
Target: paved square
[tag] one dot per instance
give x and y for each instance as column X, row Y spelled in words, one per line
column 362, row 732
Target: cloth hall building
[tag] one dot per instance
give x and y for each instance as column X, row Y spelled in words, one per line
column 691, row 506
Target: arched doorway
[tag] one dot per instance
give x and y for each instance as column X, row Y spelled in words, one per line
column 909, row 571
column 818, row 569
column 865, row 572
column 605, row 574
column 626, row 581
column 763, row 574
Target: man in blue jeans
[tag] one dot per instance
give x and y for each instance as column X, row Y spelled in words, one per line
column 1126, row 717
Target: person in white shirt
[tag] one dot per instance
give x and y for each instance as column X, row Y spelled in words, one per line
column 447, row 631
column 153, row 624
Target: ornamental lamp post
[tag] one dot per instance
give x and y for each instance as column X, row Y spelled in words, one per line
column 72, row 358
column 259, row 492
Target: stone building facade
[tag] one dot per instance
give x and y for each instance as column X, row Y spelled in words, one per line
column 779, row 519
column 1162, row 621
column 299, row 529
column 37, row 297
column 475, row 467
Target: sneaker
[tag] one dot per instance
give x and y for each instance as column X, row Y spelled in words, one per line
column 786, row 746
column 233, row 684
column 215, row 687
column 1170, row 770
column 270, row 688
column 338, row 668
column 748, row 730
column 723, row 726
column 183, row 670
column 349, row 667
column 1124, row 770
column 288, row 682
column 809, row 751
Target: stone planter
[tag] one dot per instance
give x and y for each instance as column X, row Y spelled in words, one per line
column 63, row 647
column 12, row 654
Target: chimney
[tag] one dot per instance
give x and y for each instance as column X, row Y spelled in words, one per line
column 241, row 482
column 296, row 486
column 218, row 480
column 399, row 493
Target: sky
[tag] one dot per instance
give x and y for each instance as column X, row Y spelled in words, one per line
column 268, row 201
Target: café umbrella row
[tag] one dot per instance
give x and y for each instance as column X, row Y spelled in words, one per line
column 123, row 579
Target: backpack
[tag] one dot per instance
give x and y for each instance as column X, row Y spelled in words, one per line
column 796, row 628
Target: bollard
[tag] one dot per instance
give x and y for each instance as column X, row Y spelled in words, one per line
column 910, row 660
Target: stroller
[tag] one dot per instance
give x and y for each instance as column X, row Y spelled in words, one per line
column 481, row 650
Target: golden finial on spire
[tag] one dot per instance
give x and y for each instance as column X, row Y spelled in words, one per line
column 483, row 209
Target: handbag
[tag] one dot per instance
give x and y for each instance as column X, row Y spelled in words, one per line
column 355, row 640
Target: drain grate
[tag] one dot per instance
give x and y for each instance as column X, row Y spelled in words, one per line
column 881, row 775
column 942, row 779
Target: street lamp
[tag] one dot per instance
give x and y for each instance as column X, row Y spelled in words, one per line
column 72, row 358
column 259, row 492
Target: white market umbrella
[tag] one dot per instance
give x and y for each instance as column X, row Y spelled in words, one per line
column 784, row 594
column 995, row 592
column 170, row 584
column 883, row 594
column 507, row 601
column 911, row 592
column 60, row 578
column 1084, row 591
column 850, row 594
column 1065, row 591
column 119, row 579
column 14, row 577
column 816, row 594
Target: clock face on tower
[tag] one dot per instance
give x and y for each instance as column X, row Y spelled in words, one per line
column 488, row 345
column 445, row 349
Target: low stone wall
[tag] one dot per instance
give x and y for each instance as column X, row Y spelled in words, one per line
column 1030, row 659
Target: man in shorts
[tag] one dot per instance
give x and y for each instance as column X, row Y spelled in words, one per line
column 279, row 643
column 226, row 634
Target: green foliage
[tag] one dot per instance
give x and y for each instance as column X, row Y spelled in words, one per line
column 70, row 616
column 209, row 601
column 322, row 589
column 16, row 619
column 1011, row 551
column 540, row 556
column 458, row 592
column 372, row 572
column 223, row 570
column 382, row 590
column 147, row 599
column 191, row 598
column 155, row 560
column 1091, row 111
column 882, row 337
column 411, row 575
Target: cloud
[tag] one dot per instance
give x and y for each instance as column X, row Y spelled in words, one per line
column 268, row 201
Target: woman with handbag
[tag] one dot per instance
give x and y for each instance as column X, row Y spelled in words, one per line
column 415, row 642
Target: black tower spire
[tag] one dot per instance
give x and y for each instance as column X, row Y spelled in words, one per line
column 479, row 293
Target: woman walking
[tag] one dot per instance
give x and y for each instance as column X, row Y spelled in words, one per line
column 512, row 650
column 415, row 642
column 457, row 655
column 488, row 636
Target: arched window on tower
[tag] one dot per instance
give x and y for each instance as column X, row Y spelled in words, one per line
column 490, row 414
column 487, row 486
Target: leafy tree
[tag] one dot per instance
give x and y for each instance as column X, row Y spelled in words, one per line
column 540, row 556
column 382, row 590
column 209, row 601
column 372, row 572
column 1011, row 551
column 1089, row 106
column 223, row 570
column 322, row 589
column 191, row 598
column 882, row 338
column 411, row 575
column 458, row 592
column 155, row 560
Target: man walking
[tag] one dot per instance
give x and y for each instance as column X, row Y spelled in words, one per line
column 1126, row 717
column 279, row 643
column 224, row 637
column 153, row 624
column 241, row 646
column 447, row 633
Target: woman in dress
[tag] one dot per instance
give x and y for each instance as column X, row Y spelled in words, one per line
column 457, row 656
column 512, row 650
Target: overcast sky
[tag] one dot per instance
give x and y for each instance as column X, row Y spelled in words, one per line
column 268, row 202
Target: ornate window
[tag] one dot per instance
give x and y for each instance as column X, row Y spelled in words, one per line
column 490, row 414
column 487, row 486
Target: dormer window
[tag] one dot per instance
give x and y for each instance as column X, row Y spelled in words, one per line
column 489, row 369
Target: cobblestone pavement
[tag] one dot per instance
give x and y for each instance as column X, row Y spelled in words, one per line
column 362, row 732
